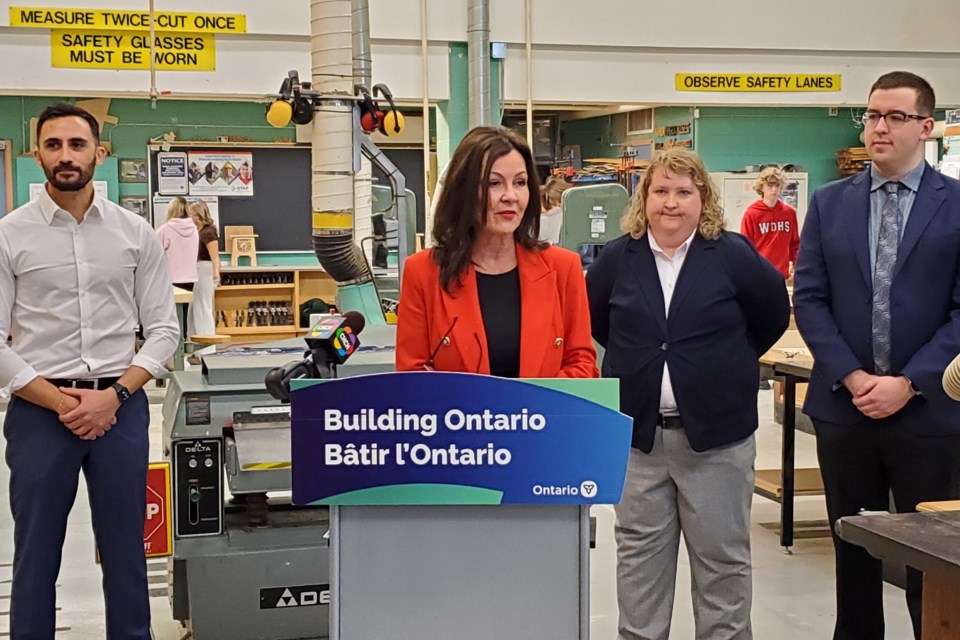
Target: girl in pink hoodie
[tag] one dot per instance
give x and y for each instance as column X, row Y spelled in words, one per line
column 181, row 241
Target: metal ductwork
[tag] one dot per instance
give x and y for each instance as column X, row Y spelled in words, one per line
column 332, row 153
column 478, row 56
column 362, row 60
column 363, row 74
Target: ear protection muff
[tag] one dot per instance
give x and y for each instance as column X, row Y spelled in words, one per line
column 392, row 123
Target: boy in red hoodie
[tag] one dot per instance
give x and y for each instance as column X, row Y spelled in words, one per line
column 771, row 224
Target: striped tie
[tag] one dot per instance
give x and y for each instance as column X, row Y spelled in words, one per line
column 887, row 245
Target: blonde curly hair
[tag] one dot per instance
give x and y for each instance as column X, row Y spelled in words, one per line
column 677, row 160
column 770, row 175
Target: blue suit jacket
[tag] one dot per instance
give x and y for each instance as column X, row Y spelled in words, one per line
column 729, row 306
column 833, row 291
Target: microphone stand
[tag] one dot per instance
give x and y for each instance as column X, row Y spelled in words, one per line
column 316, row 365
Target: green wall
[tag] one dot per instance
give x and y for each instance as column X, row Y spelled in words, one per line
column 453, row 115
column 139, row 122
column 594, row 135
column 729, row 138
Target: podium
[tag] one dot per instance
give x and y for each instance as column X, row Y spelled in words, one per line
column 459, row 502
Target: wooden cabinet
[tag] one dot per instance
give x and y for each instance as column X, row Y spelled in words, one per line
column 260, row 304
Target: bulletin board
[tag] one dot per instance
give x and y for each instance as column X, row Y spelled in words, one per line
column 280, row 208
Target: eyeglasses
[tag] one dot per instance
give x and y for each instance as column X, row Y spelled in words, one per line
column 429, row 365
column 894, row 119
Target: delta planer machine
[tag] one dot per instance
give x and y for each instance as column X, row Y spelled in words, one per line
column 247, row 564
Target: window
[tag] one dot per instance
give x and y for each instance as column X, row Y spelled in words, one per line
column 640, row 121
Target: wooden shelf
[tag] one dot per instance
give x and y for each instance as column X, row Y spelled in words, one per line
column 241, row 331
column 245, row 287
column 308, row 282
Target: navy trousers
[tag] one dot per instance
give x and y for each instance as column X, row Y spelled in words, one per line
column 45, row 461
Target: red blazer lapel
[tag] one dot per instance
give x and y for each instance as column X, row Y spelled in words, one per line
column 468, row 335
column 538, row 303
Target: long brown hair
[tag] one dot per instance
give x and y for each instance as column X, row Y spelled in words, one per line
column 461, row 210
column 200, row 209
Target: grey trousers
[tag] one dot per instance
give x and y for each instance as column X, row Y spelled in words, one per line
column 707, row 496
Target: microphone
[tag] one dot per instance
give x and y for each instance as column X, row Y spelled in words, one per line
column 278, row 379
column 336, row 336
column 951, row 379
column 331, row 342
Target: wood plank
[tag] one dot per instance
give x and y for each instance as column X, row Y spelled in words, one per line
column 944, row 505
column 807, row 482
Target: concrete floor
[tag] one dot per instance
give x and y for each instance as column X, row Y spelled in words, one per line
column 793, row 594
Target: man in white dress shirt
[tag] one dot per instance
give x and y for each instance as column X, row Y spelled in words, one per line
column 77, row 273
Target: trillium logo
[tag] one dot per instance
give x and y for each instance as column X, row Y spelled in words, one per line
column 588, row 489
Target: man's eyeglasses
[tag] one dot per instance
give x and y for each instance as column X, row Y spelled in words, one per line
column 894, row 119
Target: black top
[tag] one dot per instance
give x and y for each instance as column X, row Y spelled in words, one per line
column 500, row 307
column 207, row 234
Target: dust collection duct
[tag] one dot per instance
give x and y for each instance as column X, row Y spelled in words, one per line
column 332, row 143
column 340, row 189
column 478, row 55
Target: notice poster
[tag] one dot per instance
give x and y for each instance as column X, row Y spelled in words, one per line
column 172, row 167
column 215, row 173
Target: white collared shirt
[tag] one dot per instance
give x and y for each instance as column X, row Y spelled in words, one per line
column 72, row 294
column 669, row 270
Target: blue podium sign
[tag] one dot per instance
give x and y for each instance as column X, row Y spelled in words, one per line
column 456, row 438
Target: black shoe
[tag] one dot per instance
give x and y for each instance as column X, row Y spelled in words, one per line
column 765, row 385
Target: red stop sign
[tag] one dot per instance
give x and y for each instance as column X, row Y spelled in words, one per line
column 157, row 525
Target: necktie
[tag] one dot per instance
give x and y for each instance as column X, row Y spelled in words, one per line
column 887, row 245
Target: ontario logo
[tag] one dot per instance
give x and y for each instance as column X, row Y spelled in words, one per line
column 587, row 489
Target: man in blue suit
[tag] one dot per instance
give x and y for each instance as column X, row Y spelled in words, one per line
column 877, row 300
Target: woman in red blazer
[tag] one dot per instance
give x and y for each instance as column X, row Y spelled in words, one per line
column 489, row 297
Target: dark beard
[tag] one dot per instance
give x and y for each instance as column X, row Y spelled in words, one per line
column 83, row 178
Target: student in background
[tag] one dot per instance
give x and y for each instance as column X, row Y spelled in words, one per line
column 770, row 224
column 181, row 243
column 551, row 218
column 200, row 319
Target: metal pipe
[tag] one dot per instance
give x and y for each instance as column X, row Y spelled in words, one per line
column 425, row 110
column 528, row 43
column 362, row 74
column 362, row 60
column 398, row 184
column 154, row 93
column 332, row 148
column 478, row 57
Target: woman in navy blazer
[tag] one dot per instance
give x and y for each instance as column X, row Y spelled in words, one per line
column 684, row 310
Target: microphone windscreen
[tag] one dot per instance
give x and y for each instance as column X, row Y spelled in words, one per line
column 951, row 379
column 355, row 320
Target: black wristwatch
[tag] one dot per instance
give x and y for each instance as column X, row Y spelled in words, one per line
column 123, row 394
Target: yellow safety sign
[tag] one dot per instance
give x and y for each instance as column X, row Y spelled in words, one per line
column 131, row 50
column 126, row 20
column 757, row 82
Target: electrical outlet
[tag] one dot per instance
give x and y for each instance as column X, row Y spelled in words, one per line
column 833, row 111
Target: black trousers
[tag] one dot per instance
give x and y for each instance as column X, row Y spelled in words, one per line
column 861, row 466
